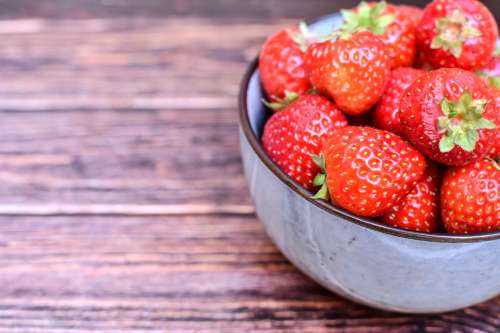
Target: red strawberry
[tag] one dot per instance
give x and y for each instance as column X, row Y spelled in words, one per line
column 293, row 135
column 281, row 63
column 352, row 69
column 492, row 72
column 368, row 170
column 495, row 151
column 394, row 27
column 447, row 114
column 386, row 115
column 422, row 64
column 457, row 33
column 419, row 210
column 470, row 198
column 411, row 12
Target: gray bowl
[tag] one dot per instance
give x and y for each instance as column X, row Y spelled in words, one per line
column 357, row 258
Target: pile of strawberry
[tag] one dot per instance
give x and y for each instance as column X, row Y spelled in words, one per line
column 394, row 116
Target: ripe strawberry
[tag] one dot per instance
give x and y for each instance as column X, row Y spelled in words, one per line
column 457, row 33
column 447, row 114
column 386, row 115
column 281, row 62
column 470, row 198
column 419, row 210
column 395, row 28
column 293, row 135
column 352, row 69
column 491, row 72
column 422, row 64
column 411, row 12
column 495, row 150
column 368, row 170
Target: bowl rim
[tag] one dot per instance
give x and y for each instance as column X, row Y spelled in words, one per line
column 255, row 144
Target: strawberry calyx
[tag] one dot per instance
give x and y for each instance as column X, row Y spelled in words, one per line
column 496, row 163
column 368, row 18
column 461, row 122
column 493, row 81
column 303, row 38
column 280, row 104
column 452, row 31
column 320, row 179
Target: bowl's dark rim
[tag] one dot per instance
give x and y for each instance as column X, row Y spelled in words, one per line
column 256, row 146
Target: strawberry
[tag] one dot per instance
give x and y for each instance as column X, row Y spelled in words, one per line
column 368, row 170
column 386, row 115
column 419, row 210
column 414, row 14
column 457, row 33
column 292, row 135
column 491, row 72
column 422, row 64
column 352, row 69
column 470, row 198
column 281, row 62
column 395, row 28
column 495, row 151
column 448, row 115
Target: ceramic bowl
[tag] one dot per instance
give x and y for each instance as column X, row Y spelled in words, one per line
column 357, row 258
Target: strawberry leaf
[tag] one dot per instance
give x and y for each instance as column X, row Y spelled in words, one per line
column 322, row 194
column 280, row 104
column 484, row 123
column 461, row 121
column 446, row 144
column 367, row 17
column 320, row 179
column 319, row 161
column 453, row 31
column 303, row 38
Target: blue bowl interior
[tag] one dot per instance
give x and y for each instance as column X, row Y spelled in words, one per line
column 257, row 112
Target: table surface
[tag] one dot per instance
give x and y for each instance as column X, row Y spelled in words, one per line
column 123, row 204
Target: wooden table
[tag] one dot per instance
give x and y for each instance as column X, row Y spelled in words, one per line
column 123, row 204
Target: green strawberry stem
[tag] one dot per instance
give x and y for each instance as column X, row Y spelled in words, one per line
column 279, row 105
column 303, row 38
column 461, row 122
column 320, row 179
column 368, row 18
column 452, row 31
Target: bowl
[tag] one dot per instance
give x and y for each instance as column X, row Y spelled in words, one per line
column 361, row 259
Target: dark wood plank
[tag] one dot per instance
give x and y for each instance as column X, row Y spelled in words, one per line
column 256, row 9
column 126, row 64
column 178, row 274
column 114, row 157
column 98, row 128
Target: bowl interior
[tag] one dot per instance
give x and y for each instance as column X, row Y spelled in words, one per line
column 254, row 114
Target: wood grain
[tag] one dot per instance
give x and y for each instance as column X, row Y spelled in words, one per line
column 255, row 9
column 177, row 274
column 123, row 207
